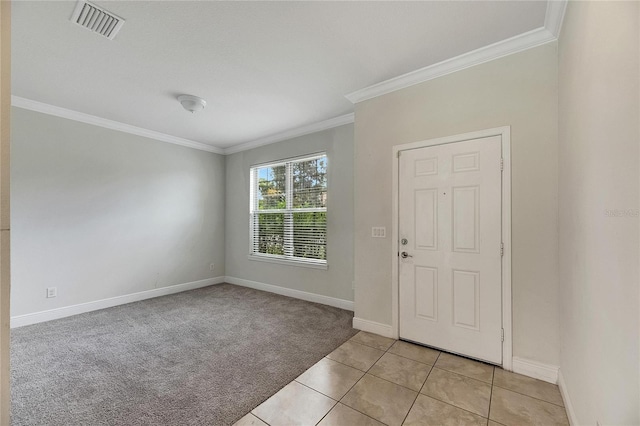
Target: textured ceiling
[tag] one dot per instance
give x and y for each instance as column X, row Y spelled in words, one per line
column 263, row 67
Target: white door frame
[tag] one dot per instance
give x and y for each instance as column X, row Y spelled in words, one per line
column 505, row 133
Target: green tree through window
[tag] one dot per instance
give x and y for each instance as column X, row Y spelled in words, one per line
column 288, row 210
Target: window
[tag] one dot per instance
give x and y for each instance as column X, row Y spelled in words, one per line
column 289, row 211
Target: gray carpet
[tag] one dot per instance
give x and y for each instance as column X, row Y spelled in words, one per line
column 202, row 357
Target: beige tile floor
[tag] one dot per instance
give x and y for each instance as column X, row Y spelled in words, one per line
column 374, row 380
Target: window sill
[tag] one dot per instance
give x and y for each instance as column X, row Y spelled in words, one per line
column 289, row 262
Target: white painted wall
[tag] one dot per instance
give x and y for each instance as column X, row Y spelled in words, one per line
column 599, row 115
column 99, row 213
column 518, row 91
column 336, row 280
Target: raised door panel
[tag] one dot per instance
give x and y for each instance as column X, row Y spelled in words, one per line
column 466, row 219
column 426, row 292
column 466, row 299
column 426, row 219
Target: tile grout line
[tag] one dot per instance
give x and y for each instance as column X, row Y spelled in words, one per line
column 440, row 352
column 361, row 344
column 358, row 381
column 454, row 406
column 265, row 400
column 364, row 414
column 524, row 394
column 294, row 380
column 490, row 400
column 432, row 367
column 327, row 413
column 354, row 409
column 402, row 386
column 410, row 408
column 346, row 364
column 262, row 420
column 394, row 383
column 374, row 347
column 411, row 359
column 396, row 354
column 321, row 393
column 419, row 346
column 493, row 378
column 421, row 387
column 464, row 376
column 336, row 401
column 449, row 404
column 330, row 409
column 419, row 391
column 316, row 390
column 365, row 373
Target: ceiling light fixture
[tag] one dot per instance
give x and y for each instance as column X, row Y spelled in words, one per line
column 192, row 103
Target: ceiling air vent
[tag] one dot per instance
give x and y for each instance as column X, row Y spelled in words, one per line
column 96, row 19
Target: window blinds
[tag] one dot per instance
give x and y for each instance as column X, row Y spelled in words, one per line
column 289, row 210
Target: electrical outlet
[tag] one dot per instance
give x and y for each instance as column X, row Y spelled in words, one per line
column 52, row 292
column 212, row 266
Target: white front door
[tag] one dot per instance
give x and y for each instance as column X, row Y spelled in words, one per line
column 450, row 256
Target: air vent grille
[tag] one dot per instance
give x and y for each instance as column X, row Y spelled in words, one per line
column 96, row 19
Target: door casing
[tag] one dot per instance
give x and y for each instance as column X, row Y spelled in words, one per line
column 505, row 134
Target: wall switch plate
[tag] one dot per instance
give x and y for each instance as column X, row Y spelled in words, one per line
column 378, row 232
column 52, row 292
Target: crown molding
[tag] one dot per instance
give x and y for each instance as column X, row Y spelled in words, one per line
column 554, row 16
column 479, row 56
column 548, row 33
column 44, row 108
column 293, row 133
column 108, row 124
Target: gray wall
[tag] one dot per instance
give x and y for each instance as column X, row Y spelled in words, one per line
column 100, row 213
column 336, row 280
column 520, row 91
column 599, row 115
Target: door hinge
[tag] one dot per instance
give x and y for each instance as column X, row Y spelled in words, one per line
column 399, row 154
column 502, row 164
column 502, row 335
column 501, row 249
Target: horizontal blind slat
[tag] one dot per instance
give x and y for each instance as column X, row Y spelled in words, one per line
column 288, row 210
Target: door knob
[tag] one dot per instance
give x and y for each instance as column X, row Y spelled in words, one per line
column 404, row 255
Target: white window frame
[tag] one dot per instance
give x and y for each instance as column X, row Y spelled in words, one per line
column 274, row 258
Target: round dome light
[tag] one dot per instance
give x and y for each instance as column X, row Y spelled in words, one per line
column 192, row 103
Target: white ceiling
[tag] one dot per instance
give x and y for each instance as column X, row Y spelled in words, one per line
column 263, row 67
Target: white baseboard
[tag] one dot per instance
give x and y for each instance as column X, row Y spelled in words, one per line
column 573, row 420
column 537, row 370
column 66, row 311
column 296, row 294
column 374, row 327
